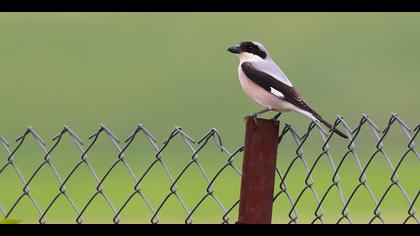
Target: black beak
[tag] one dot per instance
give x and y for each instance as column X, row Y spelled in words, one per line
column 235, row 49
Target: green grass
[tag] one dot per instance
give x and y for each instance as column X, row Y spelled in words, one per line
column 168, row 69
column 10, row 222
column 192, row 187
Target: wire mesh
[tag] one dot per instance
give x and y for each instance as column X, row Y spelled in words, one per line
column 294, row 192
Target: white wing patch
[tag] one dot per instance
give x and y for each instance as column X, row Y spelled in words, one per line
column 276, row 92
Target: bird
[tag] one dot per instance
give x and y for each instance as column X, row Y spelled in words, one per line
column 265, row 83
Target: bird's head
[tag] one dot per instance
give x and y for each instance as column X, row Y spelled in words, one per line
column 250, row 51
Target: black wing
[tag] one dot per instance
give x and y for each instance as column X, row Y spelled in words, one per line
column 266, row 81
column 283, row 91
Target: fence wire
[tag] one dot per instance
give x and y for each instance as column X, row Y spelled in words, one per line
column 231, row 162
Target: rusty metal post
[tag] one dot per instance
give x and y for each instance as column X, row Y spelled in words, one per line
column 258, row 171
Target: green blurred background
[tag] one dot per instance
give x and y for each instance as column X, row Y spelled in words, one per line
column 168, row 69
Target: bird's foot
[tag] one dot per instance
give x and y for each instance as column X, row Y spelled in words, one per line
column 254, row 117
column 276, row 117
column 256, row 114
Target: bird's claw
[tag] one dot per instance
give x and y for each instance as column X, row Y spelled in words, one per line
column 276, row 117
column 255, row 120
column 253, row 116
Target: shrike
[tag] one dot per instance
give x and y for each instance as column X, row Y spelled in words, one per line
column 263, row 80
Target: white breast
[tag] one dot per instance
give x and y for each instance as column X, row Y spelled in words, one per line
column 261, row 96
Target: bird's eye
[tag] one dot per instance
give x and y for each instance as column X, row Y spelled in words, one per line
column 252, row 47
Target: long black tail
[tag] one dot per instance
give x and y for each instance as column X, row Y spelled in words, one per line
column 330, row 126
column 305, row 107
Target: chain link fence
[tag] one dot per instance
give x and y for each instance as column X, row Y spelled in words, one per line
column 290, row 194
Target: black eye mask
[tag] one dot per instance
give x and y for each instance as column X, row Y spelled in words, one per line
column 250, row 47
